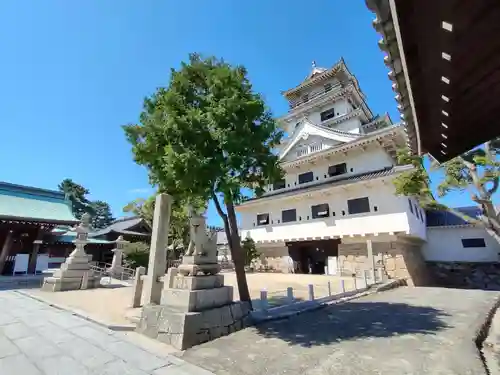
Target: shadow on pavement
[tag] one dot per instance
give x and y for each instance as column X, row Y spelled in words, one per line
column 355, row 320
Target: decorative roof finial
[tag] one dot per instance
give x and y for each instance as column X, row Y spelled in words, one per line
column 313, row 64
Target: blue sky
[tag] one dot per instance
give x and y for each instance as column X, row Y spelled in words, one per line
column 73, row 71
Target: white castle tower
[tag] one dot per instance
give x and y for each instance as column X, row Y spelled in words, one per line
column 336, row 209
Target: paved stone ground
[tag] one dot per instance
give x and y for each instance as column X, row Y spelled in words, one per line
column 36, row 339
column 402, row 331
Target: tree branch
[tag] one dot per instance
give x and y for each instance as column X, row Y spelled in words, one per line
column 494, row 188
column 475, row 177
column 218, row 206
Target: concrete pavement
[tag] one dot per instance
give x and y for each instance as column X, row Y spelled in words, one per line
column 36, row 339
column 402, row 331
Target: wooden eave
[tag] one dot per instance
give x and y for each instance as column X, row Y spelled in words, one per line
column 444, row 58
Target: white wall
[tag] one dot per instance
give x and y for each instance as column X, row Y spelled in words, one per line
column 390, row 216
column 416, row 218
column 341, row 108
column 374, row 158
column 445, row 245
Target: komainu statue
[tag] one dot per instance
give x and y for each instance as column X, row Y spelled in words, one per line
column 201, row 254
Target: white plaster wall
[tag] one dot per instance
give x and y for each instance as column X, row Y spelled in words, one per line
column 341, row 108
column 390, row 216
column 352, row 125
column 417, row 222
column 445, row 245
column 374, row 158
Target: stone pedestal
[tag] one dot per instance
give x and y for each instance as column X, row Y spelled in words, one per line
column 196, row 309
column 75, row 272
column 71, row 274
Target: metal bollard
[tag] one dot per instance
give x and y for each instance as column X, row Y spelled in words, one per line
column 311, row 292
column 264, row 304
column 365, row 277
column 289, row 294
column 329, row 289
column 342, row 285
column 355, row 282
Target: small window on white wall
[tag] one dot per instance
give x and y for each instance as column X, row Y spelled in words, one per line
column 410, row 204
column 473, row 242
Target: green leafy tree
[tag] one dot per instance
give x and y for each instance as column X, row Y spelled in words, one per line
column 77, row 195
column 143, row 208
column 102, row 215
column 179, row 219
column 136, row 254
column 476, row 172
column 250, row 251
column 208, row 135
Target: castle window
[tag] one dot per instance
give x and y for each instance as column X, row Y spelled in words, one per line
column 263, row 219
column 328, row 87
column 305, row 98
column 288, row 215
column 320, row 210
column 306, row 177
column 279, row 185
column 328, row 114
column 337, row 169
column 411, row 205
column 473, row 242
column 358, row 205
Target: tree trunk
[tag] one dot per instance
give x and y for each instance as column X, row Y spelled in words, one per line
column 234, row 244
column 237, row 254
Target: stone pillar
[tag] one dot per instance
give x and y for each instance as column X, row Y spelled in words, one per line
column 34, row 253
column 371, row 259
column 117, row 262
column 158, row 252
column 138, row 283
column 7, row 245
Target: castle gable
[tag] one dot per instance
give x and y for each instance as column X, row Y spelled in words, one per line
column 309, row 138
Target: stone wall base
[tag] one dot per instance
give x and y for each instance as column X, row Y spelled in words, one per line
column 184, row 330
column 466, row 275
column 396, row 259
column 274, row 259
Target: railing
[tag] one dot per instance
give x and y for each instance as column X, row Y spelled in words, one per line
column 310, row 149
column 105, row 270
column 310, row 97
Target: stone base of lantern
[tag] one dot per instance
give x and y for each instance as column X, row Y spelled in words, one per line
column 75, row 273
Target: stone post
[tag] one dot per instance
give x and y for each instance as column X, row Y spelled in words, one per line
column 138, row 283
column 34, row 254
column 158, row 252
column 371, row 259
column 117, row 262
column 6, row 249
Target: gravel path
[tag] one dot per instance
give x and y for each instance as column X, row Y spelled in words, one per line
column 402, row 331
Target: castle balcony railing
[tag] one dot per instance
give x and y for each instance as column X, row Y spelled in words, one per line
column 311, row 148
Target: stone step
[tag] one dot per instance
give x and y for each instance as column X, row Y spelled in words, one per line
column 197, row 300
column 198, row 282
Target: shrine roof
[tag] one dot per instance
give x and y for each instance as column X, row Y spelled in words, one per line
column 124, row 226
column 18, row 202
column 69, row 238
